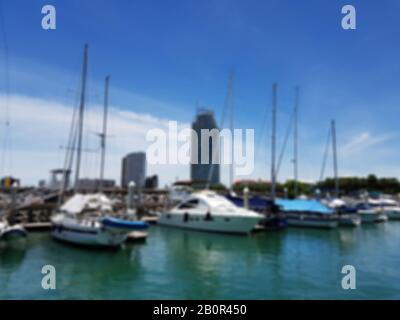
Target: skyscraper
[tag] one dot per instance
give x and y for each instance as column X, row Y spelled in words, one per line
column 201, row 172
column 134, row 169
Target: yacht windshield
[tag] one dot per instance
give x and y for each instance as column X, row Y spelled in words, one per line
column 189, row 204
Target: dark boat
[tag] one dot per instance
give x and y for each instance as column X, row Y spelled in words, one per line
column 274, row 219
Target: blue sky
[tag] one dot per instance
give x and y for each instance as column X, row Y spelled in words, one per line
column 166, row 56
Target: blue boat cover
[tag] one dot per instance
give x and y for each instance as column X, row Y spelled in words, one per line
column 303, row 205
column 255, row 203
column 124, row 224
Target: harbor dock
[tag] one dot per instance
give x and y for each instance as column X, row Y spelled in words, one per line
column 37, row 226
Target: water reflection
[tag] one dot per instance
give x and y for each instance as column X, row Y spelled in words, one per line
column 179, row 264
column 12, row 253
column 88, row 273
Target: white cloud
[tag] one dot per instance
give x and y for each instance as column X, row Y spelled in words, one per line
column 363, row 141
column 39, row 127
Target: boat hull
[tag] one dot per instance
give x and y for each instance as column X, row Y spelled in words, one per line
column 96, row 239
column 13, row 232
column 301, row 220
column 86, row 237
column 275, row 222
column 393, row 215
column 368, row 217
column 219, row 224
column 102, row 232
column 118, row 224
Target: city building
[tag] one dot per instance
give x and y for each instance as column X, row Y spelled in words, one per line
column 133, row 169
column 151, row 182
column 202, row 173
column 42, row 184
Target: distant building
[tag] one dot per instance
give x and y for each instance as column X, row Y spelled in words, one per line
column 151, row 182
column 200, row 173
column 56, row 178
column 42, row 184
column 134, row 169
column 87, row 184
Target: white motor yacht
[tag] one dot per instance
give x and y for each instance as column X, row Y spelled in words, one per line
column 208, row 211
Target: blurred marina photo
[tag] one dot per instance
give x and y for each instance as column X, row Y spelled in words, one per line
column 199, row 150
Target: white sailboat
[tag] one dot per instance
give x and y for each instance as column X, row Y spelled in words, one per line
column 208, row 211
column 346, row 215
column 11, row 232
column 8, row 231
column 85, row 219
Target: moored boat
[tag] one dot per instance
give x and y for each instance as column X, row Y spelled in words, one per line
column 388, row 207
column 393, row 213
column 308, row 213
column 208, row 211
column 11, row 232
column 370, row 214
column 273, row 219
column 85, row 220
column 347, row 215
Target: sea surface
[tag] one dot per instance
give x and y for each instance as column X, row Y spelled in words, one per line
column 178, row 264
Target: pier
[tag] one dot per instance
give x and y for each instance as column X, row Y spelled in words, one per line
column 35, row 206
column 37, row 226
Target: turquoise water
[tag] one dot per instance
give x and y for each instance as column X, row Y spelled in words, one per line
column 177, row 264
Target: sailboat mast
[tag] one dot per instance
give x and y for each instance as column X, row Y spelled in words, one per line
column 80, row 116
column 273, row 142
column 103, row 135
column 335, row 167
column 230, row 97
column 295, row 143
